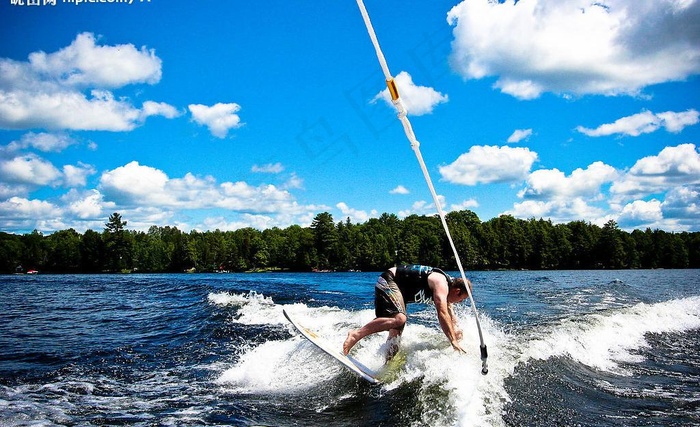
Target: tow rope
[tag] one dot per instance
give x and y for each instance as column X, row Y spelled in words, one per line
column 415, row 145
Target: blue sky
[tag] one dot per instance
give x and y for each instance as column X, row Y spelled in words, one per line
column 220, row 115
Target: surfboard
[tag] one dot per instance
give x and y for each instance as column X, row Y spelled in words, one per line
column 350, row 363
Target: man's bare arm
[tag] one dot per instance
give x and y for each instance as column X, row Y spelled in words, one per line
column 455, row 326
column 446, row 316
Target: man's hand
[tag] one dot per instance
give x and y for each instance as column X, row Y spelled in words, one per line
column 458, row 347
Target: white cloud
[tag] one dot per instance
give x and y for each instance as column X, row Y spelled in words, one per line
column 136, row 184
column 18, row 209
column 640, row 213
column 146, row 196
column 519, row 135
column 85, row 205
column 418, row 100
column 548, row 184
column 576, row 46
column 51, row 90
column 400, row 189
column 672, row 167
column 219, row 118
column 268, row 168
column 549, row 193
column 8, row 190
column 83, row 63
column 46, row 142
column 683, row 203
column 355, row 215
column 29, row 169
column 151, row 108
column 294, row 182
column 559, row 210
column 421, row 207
column 645, row 122
column 76, row 176
column 676, row 122
column 661, row 191
column 260, row 222
column 467, row 204
column 66, row 110
column 144, row 186
column 489, row 164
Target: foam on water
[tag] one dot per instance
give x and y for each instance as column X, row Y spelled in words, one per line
column 604, row 339
column 292, row 365
column 464, row 397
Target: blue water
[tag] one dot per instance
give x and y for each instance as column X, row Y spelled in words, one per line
column 607, row 348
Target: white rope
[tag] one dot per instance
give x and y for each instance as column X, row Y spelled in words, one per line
column 415, row 145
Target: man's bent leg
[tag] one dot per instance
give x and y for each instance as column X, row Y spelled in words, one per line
column 379, row 324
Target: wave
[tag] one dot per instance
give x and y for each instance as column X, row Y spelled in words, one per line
column 603, row 340
column 290, row 365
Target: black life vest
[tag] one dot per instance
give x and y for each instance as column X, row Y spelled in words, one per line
column 412, row 280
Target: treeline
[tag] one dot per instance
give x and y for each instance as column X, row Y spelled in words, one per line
column 500, row 243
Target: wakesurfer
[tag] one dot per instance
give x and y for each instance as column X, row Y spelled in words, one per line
column 407, row 284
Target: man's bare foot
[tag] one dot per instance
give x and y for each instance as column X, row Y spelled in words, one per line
column 350, row 341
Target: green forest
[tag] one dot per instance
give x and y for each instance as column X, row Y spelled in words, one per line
column 504, row 242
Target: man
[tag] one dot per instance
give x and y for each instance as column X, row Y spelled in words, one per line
column 406, row 284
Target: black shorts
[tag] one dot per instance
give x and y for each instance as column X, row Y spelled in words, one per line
column 388, row 301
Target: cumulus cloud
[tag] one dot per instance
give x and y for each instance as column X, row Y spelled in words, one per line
column 489, row 164
column 576, row 46
column 558, row 210
column 19, row 208
column 85, row 205
column 640, row 214
column 519, row 135
column 422, row 207
column 46, row 142
column 683, row 204
column 76, row 176
column 133, row 183
column 549, row 193
column 660, row 191
column 151, row 108
column 260, row 222
column 66, row 110
column 268, row 168
column 355, row 215
column 467, row 204
column 84, row 63
column 219, row 118
column 78, row 210
column 672, row 167
column 71, row 88
column 400, row 189
column 548, row 184
column 147, row 196
column 645, row 122
column 137, row 185
column 418, row 100
column 29, row 169
column 22, row 172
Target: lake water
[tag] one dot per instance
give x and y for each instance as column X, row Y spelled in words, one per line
column 607, row 348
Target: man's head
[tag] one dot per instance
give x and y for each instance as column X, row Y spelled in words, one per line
column 458, row 290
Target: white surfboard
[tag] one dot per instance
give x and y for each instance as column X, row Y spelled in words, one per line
column 348, row 362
